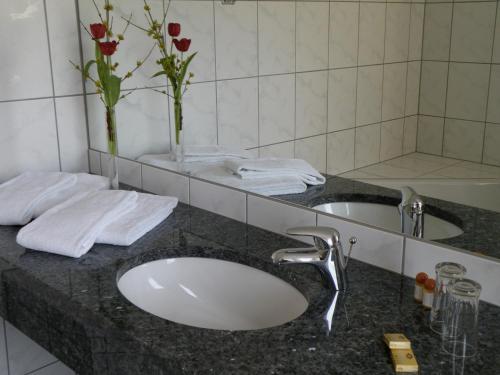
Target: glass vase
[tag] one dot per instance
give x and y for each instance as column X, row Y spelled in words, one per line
column 179, row 136
column 110, row 167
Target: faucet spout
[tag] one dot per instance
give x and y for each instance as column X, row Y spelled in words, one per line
column 297, row 255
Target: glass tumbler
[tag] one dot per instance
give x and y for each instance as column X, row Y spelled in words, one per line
column 445, row 272
column 459, row 335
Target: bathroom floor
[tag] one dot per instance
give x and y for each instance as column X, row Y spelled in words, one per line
column 425, row 166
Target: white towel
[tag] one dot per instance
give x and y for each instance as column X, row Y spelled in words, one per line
column 149, row 211
column 20, row 196
column 265, row 168
column 264, row 186
column 72, row 227
column 84, row 183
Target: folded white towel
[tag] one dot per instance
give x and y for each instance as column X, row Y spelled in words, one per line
column 264, row 168
column 84, row 183
column 267, row 186
column 149, row 211
column 72, row 227
column 20, row 196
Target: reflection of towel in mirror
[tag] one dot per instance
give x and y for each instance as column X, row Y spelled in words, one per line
column 20, row 197
column 265, row 168
column 194, row 153
column 270, row 185
column 150, row 210
column 72, row 227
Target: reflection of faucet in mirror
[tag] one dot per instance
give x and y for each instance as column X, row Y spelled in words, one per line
column 412, row 213
column 327, row 254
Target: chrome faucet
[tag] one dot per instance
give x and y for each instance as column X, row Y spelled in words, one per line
column 327, row 254
column 411, row 210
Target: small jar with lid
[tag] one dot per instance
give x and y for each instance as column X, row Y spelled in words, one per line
column 428, row 293
column 420, row 280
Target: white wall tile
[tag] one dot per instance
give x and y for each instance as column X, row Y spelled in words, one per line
column 437, row 29
column 72, row 130
column 423, row 257
column 412, row 88
column 394, row 91
column 344, row 20
column 467, row 91
column 341, row 99
column 311, row 103
column 493, row 114
column 340, row 151
column 367, row 147
column 491, row 141
column 312, row 35
column 218, row 199
column 369, row 94
column 391, row 139
column 28, row 138
column 200, row 115
column 64, row 46
column 197, row 23
column 276, row 37
column 433, row 83
column 397, row 32
column 237, row 107
column 129, row 172
column 276, row 108
column 95, row 162
column 236, row 39
column 24, row 354
column 472, row 31
column 312, row 150
column 3, row 350
column 23, row 37
column 280, row 150
column 430, row 135
column 416, row 31
column 161, row 182
column 375, row 247
column 410, row 134
column 371, row 33
column 97, row 123
column 463, row 139
column 277, row 217
column 57, row 368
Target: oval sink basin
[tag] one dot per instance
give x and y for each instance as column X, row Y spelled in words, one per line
column 211, row 293
column 387, row 217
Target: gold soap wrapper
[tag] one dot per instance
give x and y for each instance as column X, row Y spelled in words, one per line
column 397, row 341
column 404, row 360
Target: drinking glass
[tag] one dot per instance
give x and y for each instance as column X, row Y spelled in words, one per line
column 445, row 272
column 459, row 335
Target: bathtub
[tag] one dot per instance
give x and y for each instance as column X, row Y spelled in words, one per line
column 481, row 193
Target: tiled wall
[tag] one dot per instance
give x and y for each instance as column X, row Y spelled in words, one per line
column 335, row 83
column 460, row 81
column 42, row 114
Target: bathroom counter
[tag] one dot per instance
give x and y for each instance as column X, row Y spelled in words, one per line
column 73, row 308
column 480, row 226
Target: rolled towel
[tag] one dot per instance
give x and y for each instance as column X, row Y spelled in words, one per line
column 20, row 197
column 264, row 168
column 72, row 227
column 270, row 185
column 149, row 211
column 84, row 183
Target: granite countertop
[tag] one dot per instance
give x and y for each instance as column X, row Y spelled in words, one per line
column 73, row 308
column 480, row 226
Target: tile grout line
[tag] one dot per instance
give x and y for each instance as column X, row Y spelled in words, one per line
column 216, row 86
column 356, row 93
column 33, row 372
column 420, row 75
column 328, row 83
column 447, row 79
column 295, row 80
column 383, row 85
column 406, row 80
column 258, row 74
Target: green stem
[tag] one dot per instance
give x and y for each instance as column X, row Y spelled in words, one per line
column 111, row 130
column 178, row 118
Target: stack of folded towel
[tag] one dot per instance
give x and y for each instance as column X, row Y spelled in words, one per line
column 270, row 176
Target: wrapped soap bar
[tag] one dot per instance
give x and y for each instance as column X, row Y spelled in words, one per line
column 404, row 360
column 397, row 341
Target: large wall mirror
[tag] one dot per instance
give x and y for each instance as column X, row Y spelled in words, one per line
column 375, row 96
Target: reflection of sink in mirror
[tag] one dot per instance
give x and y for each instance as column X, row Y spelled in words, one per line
column 211, row 293
column 387, row 217
column 470, row 192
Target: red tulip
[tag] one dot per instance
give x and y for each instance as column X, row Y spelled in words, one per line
column 98, row 30
column 108, row 48
column 182, row 45
column 174, row 29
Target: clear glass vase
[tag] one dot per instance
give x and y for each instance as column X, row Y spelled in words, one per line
column 110, row 168
column 179, row 136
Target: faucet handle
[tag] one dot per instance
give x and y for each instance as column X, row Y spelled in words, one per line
column 328, row 235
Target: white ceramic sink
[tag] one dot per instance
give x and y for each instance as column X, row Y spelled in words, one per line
column 387, row 217
column 211, row 293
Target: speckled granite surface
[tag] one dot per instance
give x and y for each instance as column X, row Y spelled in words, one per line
column 480, row 227
column 73, row 308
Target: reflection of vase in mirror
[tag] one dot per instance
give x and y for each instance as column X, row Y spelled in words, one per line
column 111, row 168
